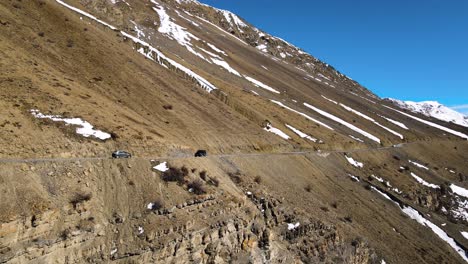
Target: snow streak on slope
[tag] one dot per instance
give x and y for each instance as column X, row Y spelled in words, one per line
column 300, row 133
column 213, row 47
column 276, row 131
column 85, row 14
column 176, row 32
column 415, row 215
column 451, row 131
column 418, row 165
column 155, row 55
column 372, row 120
column 395, row 122
column 222, row 30
column 260, row 84
column 423, row 182
column 341, row 121
column 152, row 53
column 226, row 66
column 302, row 114
column 433, row 109
column 233, row 19
column 347, row 108
column 356, row 138
column 186, row 19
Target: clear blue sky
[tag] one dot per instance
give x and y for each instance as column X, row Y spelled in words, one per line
column 411, row 50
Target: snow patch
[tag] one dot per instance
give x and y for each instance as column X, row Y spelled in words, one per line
column 464, row 234
column 162, row 167
column 354, row 162
column 354, row 177
column 262, row 47
column 174, row 31
column 459, row 190
column 415, row 215
column 293, row 226
column 84, row 128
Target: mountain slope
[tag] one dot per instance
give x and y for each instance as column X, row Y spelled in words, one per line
column 304, row 165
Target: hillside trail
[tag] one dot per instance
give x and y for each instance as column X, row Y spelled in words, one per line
column 221, row 155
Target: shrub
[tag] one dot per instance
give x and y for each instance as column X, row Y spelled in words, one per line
column 80, row 198
column 357, row 241
column 175, row 175
column 193, row 170
column 334, row 205
column 308, row 188
column 65, row 234
column 197, row 187
column 324, row 208
column 167, row 107
column 235, row 177
column 184, row 170
column 214, row 182
column 348, row 219
column 203, row 175
column 258, row 179
column 157, row 204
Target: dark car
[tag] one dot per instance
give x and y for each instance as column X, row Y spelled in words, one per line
column 121, row 154
column 200, row 153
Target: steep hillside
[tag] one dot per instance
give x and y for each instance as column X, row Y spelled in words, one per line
column 304, row 165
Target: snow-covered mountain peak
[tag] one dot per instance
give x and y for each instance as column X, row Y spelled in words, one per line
column 433, row 109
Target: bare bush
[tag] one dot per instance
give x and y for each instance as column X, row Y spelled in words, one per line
column 235, row 177
column 213, row 181
column 203, row 175
column 79, row 198
column 157, row 204
column 175, row 175
column 258, row 179
column 197, row 187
